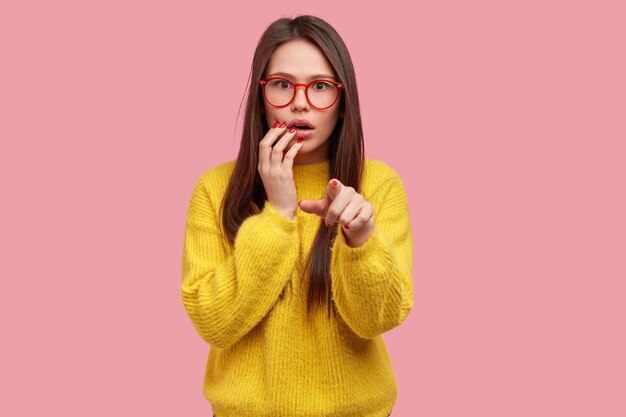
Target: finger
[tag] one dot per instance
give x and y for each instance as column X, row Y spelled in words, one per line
column 276, row 157
column 291, row 154
column 317, row 207
column 327, row 201
column 351, row 210
column 363, row 216
column 334, row 187
column 337, row 206
column 285, row 139
column 265, row 145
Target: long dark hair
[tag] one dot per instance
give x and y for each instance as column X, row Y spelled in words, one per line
column 245, row 194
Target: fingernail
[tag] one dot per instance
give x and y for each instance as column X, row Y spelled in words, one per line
column 334, row 182
column 300, row 140
column 293, row 129
column 283, row 125
column 275, row 125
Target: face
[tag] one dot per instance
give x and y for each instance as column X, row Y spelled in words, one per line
column 303, row 60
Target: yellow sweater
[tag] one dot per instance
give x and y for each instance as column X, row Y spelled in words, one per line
column 266, row 358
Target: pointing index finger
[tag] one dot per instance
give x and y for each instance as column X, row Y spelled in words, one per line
column 334, row 187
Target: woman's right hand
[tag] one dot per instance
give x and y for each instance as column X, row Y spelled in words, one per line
column 276, row 170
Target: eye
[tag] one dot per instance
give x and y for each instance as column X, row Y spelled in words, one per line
column 281, row 84
column 320, row 86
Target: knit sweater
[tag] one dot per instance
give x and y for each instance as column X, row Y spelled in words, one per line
column 267, row 357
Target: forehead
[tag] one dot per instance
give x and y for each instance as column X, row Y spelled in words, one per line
column 299, row 58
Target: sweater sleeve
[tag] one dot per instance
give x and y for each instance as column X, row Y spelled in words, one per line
column 227, row 294
column 372, row 283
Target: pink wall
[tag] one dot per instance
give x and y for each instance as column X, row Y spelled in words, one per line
column 506, row 122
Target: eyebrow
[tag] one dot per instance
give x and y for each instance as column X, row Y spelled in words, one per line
column 312, row 77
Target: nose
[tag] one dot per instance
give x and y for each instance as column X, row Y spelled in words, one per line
column 300, row 101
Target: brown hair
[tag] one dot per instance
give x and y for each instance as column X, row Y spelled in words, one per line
column 245, row 194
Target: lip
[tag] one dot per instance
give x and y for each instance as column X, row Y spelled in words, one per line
column 303, row 133
column 300, row 122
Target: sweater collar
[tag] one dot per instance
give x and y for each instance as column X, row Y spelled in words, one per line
column 317, row 170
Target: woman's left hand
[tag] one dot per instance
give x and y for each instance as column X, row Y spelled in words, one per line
column 343, row 205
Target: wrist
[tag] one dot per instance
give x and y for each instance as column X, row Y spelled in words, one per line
column 288, row 213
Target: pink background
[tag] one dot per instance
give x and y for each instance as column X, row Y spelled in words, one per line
column 506, row 121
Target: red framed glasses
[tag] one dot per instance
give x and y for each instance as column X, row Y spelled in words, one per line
column 321, row 94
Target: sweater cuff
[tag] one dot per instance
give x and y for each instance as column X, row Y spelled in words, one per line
column 272, row 214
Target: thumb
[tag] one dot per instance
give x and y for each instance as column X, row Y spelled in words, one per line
column 313, row 206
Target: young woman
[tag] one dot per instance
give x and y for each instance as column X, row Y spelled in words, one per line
column 298, row 254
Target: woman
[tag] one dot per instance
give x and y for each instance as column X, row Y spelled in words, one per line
column 298, row 254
